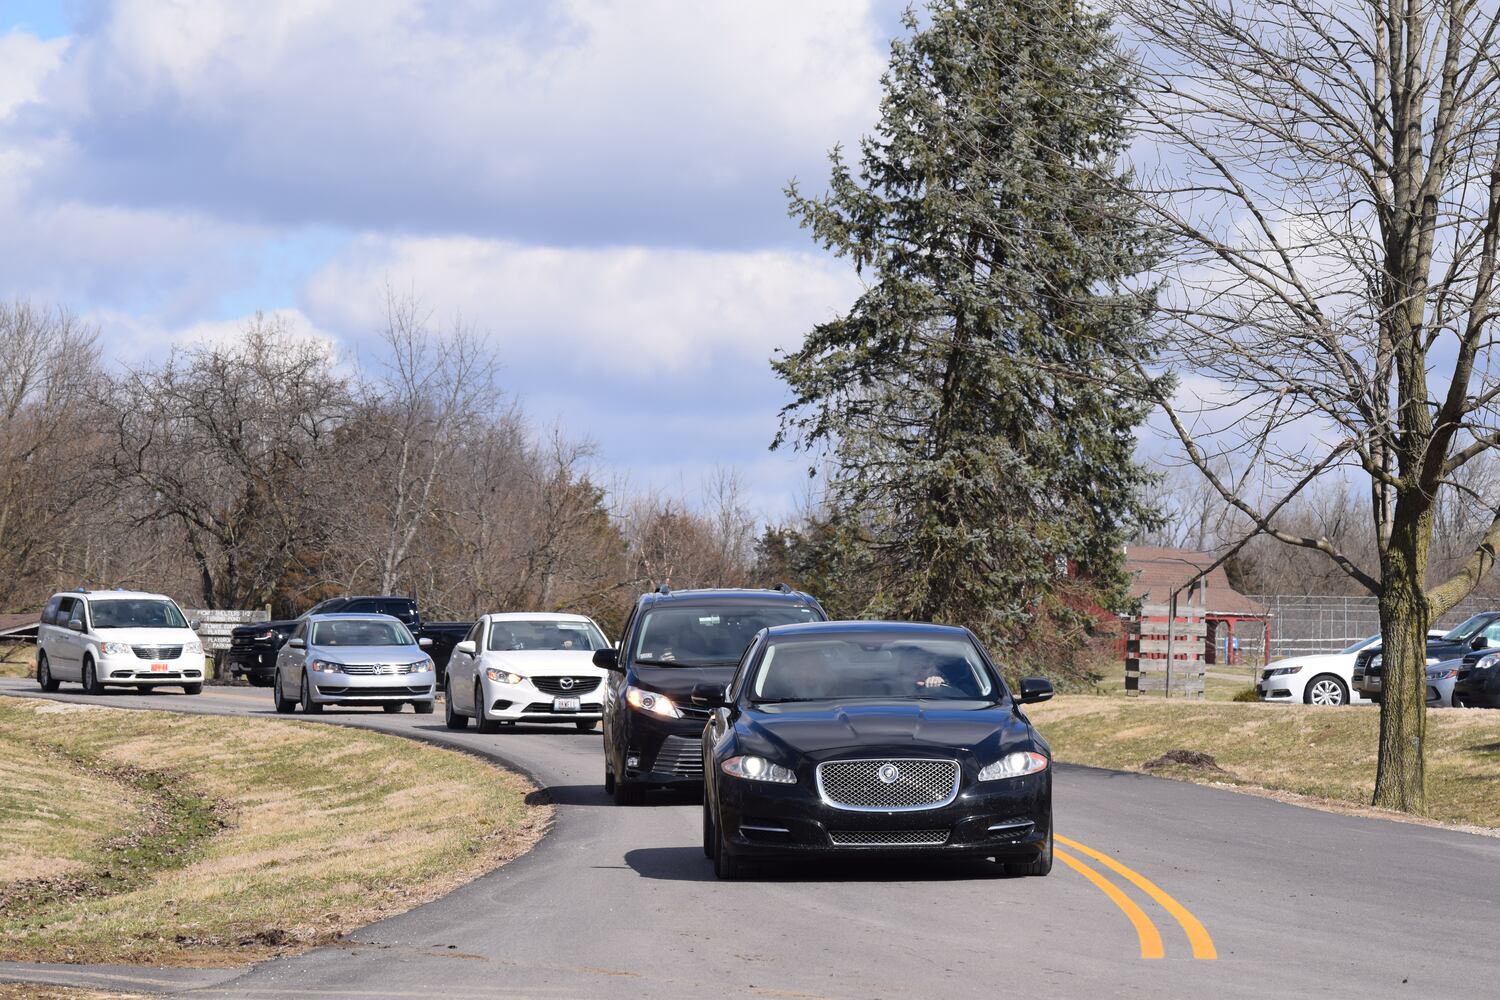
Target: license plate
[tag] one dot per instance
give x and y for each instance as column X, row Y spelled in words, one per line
column 565, row 704
column 159, row 668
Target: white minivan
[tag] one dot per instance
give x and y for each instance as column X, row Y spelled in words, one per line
column 105, row 638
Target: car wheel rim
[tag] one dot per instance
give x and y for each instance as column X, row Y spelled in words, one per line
column 1326, row 693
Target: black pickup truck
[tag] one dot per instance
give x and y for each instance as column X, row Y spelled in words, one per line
column 253, row 648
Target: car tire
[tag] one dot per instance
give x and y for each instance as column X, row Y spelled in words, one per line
column 586, row 726
column 284, row 705
column 423, row 707
column 452, row 718
column 192, row 689
column 629, row 793
column 91, row 683
column 44, row 678
column 1041, row 866
column 727, row 867
column 391, row 707
column 483, row 722
column 309, row 707
column 1325, row 689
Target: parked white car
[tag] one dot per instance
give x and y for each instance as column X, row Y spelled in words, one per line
column 117, row 638
column 1317, row 679
column 526, row 667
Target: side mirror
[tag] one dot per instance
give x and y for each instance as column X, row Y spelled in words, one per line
column 424, row 642
column 608, row 659
column 466, row 647
column 1035, row 689
column 1480, row 642
column 195, row 624
column 709, row 695
column 296, row 644
column 75, row 625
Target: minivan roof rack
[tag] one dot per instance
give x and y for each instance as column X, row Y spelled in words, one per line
column 784, row 587
column 664, row 589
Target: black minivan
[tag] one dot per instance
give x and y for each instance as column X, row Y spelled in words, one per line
column 677, row 650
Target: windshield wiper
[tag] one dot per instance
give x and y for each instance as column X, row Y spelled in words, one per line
column 675, row 663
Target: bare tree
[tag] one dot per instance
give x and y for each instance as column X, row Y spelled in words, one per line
column 437, row 390
column 234, row 447
column 1329, row 185
column 49, row 453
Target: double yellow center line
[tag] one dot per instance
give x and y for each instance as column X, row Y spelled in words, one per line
column 1145, row 928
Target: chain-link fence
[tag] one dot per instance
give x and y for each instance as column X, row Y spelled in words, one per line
column 1322, row 624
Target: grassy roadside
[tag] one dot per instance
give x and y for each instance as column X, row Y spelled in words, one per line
column 212, row 841
column 17, row 659
column 26, row 991
column 1326, row 753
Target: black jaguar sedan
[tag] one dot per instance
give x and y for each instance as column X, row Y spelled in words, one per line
column 853, row 738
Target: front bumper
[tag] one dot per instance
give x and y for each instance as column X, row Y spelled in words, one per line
column 1005, row 819
column 373, row 689
column 1481, row 689
column 130, row 669
column 1280, row 688
column 667, row 752
column 252, row 662
column 524, row 702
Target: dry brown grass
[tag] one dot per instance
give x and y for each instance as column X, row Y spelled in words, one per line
column 17, row 659
column 1325, row 753
column 52, row 814
column 26, row 991
column 327, row 829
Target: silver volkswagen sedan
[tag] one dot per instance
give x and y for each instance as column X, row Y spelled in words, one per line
column 353, row 659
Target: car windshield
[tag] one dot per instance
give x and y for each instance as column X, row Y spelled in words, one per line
column 540, row 634
column 360, row 632
column 1361, row 644
column 814, row 668
column 1467, row 630
column 709, row 636
column 136, row 612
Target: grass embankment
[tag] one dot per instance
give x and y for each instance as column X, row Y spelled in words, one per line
column 17, row 659
column 192, row 840
column 1328, row 753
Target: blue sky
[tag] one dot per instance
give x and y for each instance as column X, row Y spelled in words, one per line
column 597, row 186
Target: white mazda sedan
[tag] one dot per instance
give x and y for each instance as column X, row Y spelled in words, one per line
column 526, row 667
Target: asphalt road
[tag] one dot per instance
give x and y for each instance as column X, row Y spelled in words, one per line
column 1239, row 896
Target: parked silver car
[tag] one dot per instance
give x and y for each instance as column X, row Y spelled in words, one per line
column 1440, row 680
column 353, row 659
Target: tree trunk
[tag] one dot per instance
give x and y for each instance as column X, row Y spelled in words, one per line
column 1401, row 777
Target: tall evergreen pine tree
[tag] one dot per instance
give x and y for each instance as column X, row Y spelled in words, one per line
column 977, row 400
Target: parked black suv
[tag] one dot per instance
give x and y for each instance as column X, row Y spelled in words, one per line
column 676, row 653
column 253, row 648
column 1477, row 632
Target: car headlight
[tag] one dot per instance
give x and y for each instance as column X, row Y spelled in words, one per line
column 1013, row 765
column 1442, row 675
column 1283, row 671
column 1485, row 662
column 1375, row 661
column 753, row 768
column 417, row 667
column 325, row 667
column 650, row 701
column 114, row 648
column 192, row 649
column 502, row 676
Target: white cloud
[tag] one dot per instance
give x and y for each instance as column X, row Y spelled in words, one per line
column 627, row 309
column 584, row 122
column 25, row 62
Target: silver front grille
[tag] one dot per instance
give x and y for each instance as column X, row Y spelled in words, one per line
column 888, row 784
column 680, row 755
column 157, row 652
column 888, row 838
column 369, row 669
